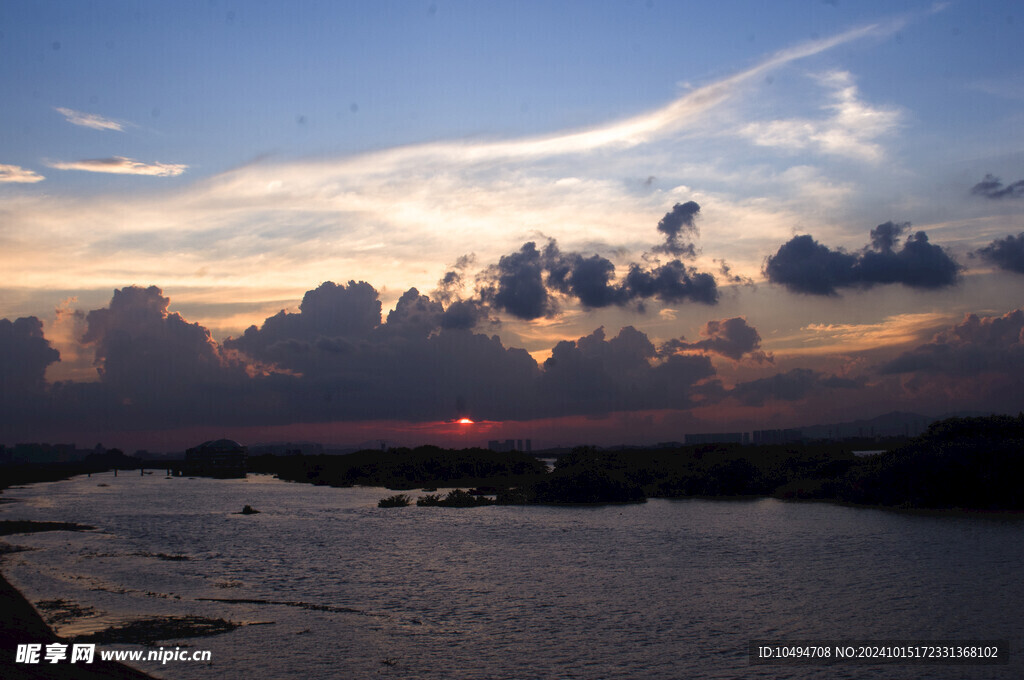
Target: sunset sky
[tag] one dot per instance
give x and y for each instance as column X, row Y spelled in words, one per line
column 623, row 221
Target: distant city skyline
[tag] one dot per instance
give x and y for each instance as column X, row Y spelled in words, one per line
column 607, row 222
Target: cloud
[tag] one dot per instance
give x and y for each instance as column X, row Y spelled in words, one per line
column 992, row 187
column 593, row 375
column 316, row 217
column 119, row 165
column 588, row 279
column 733, row 338
column 146, row 353
column 413, row 367
column 805, row 266
column 793, row 385
column 415, row 316
column 976, row 345
column 726, row 271
column 918, row 265
column 334, row 360
column 526, row 283
column 671, row 117
column 452, row 285
column 64, row 333
column 678, row 222
column 1006, row 253
column 671, row 282
column 344, row 363
column 516, row 285
column 977, row 364
column 883, row 237
column 90, row 120
column 17, row 174
column 850, row 131
column 155, row 371
column 24, row 355
column 331, row 311
column 463, row 315
column 895, row 330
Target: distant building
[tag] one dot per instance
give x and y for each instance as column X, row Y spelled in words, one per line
column 718, row 438
column 219, row 458
column 42, row 453
column 525, row 445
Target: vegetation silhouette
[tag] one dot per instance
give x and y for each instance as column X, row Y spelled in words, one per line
column 405, row 468
column 17, row 474
column 457, row 498
column 400, row 500
column 967, row 463
column 970, row 463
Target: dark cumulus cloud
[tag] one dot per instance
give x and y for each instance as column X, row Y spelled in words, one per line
column 24, row 355
column 529, row 283
column 733, row 338
column 677, row 224
column 594, row 375
column 156, row 369
column 336, row 359
column 516, row 284
column 993, row 187
column 805, row 266
column 978, row 344
column 979, row 361
column 464, row 315
column 793, row 385
column 411, row 366
column 333, row 360
column 140, row 346
column 330, row 311
column 1006, row 253
column 885, row 236
column 459, row 313
column 671, row 282
column 588, row 279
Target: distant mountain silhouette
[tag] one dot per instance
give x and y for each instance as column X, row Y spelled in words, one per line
column 894, row 424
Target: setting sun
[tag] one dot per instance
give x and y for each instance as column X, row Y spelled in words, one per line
column 464, row 421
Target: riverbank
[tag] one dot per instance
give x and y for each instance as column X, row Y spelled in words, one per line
column 20, row 623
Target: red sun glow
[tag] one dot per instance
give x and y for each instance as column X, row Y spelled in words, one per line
column 464, row 421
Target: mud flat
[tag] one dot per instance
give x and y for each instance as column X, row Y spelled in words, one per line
column 20, row 623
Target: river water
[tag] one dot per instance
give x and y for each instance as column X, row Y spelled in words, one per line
column 664, row 589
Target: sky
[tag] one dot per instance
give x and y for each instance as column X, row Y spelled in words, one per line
column 576, row 222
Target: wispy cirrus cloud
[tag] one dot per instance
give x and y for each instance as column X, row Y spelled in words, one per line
column 91, row 120
column 18, row 174
column 850, row 131
column 894, row 330
column 640, row 129
column 119, row 165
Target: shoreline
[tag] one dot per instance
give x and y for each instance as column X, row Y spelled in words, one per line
column 20, row 623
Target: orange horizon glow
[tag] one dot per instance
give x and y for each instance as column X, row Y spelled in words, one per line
column 465, row 421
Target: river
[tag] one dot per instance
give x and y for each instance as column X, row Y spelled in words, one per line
column 664, row 589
